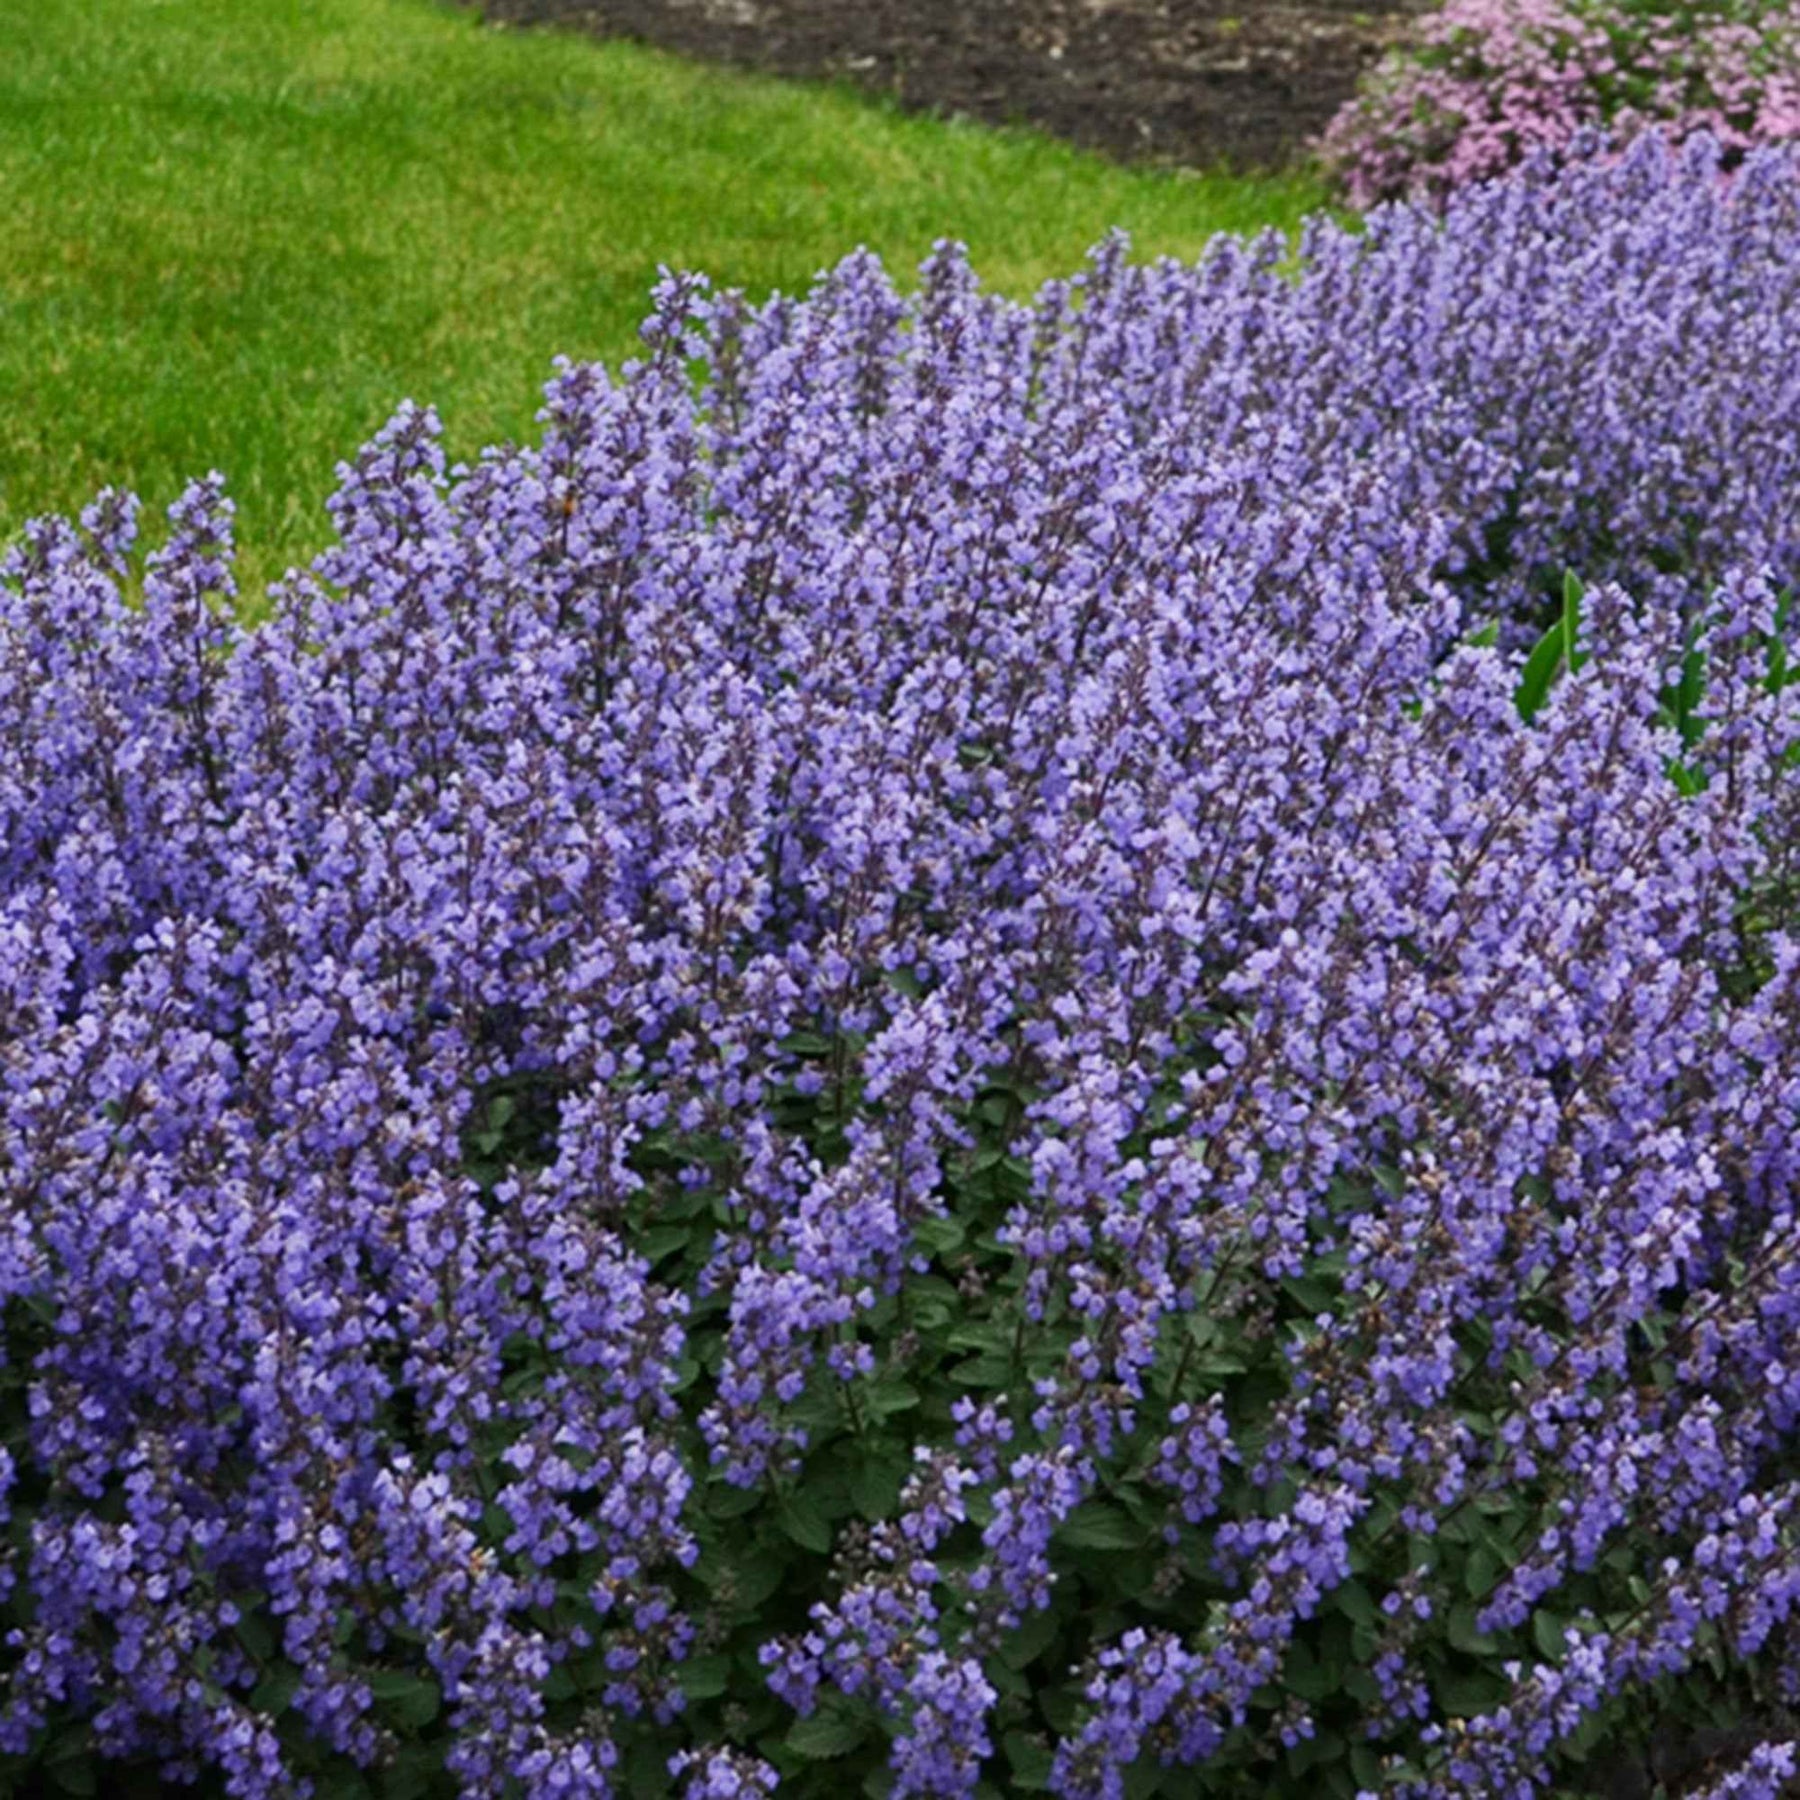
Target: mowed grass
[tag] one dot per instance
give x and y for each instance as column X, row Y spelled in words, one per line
column 238, row 232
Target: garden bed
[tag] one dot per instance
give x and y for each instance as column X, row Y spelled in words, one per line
column 1187, row 81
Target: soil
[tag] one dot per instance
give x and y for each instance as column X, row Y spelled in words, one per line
column 1240, row 83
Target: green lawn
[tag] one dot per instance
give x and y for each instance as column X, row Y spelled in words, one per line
column 237, row 232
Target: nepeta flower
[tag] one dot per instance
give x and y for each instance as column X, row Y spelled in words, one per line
column 921, row 1014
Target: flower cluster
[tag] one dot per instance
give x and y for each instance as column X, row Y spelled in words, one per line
column 973, row 1043
column 1484, row 84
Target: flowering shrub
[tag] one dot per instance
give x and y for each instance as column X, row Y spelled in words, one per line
column 976, row 1048
column 1486, row 83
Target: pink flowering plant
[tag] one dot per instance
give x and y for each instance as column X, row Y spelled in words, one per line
column 1485, row 84
column 973, row 1049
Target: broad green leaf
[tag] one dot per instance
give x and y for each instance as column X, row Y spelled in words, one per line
column 1094, row 1525
column 799, row 1516
column 940, row 1235
column 1308, row 1676
column 1482, row 1572
column 1462, row 1634
column 1466, row 1696
column 992, row 1370
column 411, row 1772
column 408, row 1698
column 275, row 1692
column 888, row 1397
column 726, row 1501
column 1355, row 1602
column 660, row 1240
column 876, row 1480
column 255, row 1628
column 1030, row 1638
column 704, row 1677
column 827, row 1734
column 70, row 1762
column 1307, row 1291
column 1030, row 1759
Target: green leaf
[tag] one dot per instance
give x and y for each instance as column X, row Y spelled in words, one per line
column 1030, row 1759
column 799, row 1517
column 255, row 1631
column 1463, row 1635
column 70, row 1762
column 1308, row 1676
column 1324, row 1749
column 274, row 1694
column 1094, row 1525
column 1310, row 1294
column 704, row 1677
column 805, row 1043
column 986, row 1334
column 411, row 1772
column 660, row 1240
column 1464, row 1696
column 1141, row 1779
column 940, row 1235
column 1023, row 1645
column 1779, row 675
column 725, row 1500
column 1547, row 1634
column 1063, row 1707
column 888, row 1397
column 338, row 1781
column 992, row 1370
column 1573, row 654
column 646, row 1771
column 1556, row 649
column 753, row 1579
column 1356, row 1603
column 1690, row 692
column 827, row 1734
column 876, row 1480
column 1482, row 1572
column 1541, row 669
column 407, row 1698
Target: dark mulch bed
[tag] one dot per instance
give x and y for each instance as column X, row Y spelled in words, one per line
column 1196, row 82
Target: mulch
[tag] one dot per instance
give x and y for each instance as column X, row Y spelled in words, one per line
column 1200, row 83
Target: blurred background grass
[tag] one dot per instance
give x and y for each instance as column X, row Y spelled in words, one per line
column 238, row 232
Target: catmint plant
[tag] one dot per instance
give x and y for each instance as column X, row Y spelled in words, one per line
column 972, row 1048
